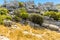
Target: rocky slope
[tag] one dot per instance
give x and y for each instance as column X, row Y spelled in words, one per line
column 21, row 32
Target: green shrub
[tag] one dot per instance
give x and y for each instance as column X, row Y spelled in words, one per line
column 17, row 19
column 20, row 11
column 58, row 15
column 51, row 14
column 1, row 21
column 21, row 4
column 36, row 18
column 3, row 17
column 24, row 16
column 8, row 17
column 17, row 13
column 46, row 13
column 3, row 11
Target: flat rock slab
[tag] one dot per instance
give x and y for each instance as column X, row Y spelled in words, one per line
column 51, row 26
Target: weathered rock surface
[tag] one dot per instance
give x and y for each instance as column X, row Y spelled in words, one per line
column 51, row 26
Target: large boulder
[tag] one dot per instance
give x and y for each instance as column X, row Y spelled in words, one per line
column 51, row 26
column 45, row 25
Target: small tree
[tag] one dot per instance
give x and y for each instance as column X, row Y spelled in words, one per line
column 36, row 19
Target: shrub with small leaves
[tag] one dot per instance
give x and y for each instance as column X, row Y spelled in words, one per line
column 52, row 14
column 36, row 18
column 3, row 11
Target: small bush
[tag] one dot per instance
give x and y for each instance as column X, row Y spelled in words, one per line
column 9, row 18
column 20, row 11
column 46, row 13
column 1, row 21
column 52, row 14
column 21, row 4
column 2, row 17
column 36, row 18
column 3, row 11
column 24, row 16
column 58, row 15
column 16, row 18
